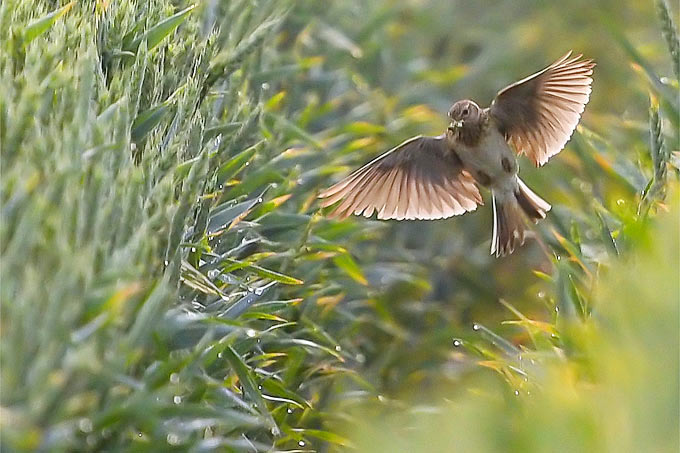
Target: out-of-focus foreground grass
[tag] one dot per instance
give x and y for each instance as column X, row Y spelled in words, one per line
column 167, row 282
column 620, row 393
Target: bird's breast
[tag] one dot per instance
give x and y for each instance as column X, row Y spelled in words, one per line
column 491, row 161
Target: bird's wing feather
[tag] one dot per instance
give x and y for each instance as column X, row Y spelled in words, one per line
column 538, row 114
column 419, row 179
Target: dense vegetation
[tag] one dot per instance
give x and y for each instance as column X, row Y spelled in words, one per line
column 168, row 283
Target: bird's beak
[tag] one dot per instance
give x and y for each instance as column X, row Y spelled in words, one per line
column 455, row 125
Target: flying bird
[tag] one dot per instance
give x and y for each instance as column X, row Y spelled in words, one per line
column 439, row 177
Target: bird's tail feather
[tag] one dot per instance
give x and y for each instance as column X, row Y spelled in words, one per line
column 509, row 227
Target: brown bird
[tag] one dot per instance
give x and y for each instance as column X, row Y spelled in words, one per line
column 438, row 177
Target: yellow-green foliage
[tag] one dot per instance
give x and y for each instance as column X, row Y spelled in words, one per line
column 167, row 282
column 618, row 393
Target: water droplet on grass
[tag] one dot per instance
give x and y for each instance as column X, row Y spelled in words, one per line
column 173, row 439
column 85, row 425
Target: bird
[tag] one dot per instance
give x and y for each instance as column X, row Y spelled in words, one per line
column 438, row 177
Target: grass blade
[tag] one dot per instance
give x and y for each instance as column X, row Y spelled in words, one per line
column 40, row 26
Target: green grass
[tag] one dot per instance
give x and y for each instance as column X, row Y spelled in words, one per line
column 168, row 283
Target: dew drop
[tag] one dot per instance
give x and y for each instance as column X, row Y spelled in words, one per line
column 139, row 434
column 193, row 249
column 166, row 262
column 259, row 200
column 251, row 333
column 265, row 86
column 620, row 202
column 219, row 355
column 541, row 294
column 475, row 327
column 516, row 392
column 85, row 425
column 457, row 343
column 338, row 348
column 289, row 410
column 172, row 439
column 258, row 291
column 177, row 399
column 381, row 398
column 259, row 387
column 301, row 443
column 174, row 378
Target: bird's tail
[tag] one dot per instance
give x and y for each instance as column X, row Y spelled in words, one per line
column 509, row 227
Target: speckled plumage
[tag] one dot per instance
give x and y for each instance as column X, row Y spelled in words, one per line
column 437, row 177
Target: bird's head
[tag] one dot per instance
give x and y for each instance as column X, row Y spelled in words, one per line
column 464, row 112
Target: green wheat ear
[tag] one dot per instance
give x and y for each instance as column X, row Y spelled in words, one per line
column 656, row 187
column 670, row 34
column 658, row 150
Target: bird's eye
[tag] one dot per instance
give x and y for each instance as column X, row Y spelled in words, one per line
column 466, row 111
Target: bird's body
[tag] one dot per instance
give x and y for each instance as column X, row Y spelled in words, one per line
column 490, row 160
column 437, row 177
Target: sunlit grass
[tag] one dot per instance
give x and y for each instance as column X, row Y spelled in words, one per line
column 168, row 283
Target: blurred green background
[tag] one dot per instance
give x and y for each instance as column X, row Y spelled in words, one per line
column 168, row 282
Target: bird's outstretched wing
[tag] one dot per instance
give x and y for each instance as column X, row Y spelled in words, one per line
column 538, row 114
column 419, row 179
